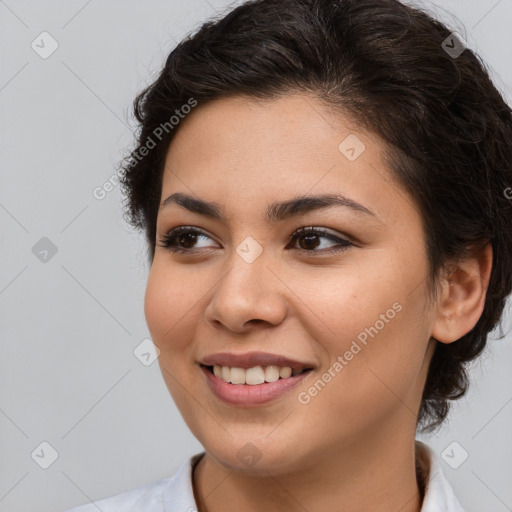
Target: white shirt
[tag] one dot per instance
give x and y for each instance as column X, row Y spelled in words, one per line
column 176, row 494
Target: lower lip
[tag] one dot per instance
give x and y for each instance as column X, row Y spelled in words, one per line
column 248, row 395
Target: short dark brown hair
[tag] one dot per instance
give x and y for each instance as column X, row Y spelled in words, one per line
column 447, row 128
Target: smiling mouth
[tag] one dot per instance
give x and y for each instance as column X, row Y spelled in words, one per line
column 253, row 376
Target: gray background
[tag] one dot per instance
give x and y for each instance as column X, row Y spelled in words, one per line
column 68, row 375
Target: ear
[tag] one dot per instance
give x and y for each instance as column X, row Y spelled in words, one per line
column 462, row 296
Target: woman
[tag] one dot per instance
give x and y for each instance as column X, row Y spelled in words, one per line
column 322, row 184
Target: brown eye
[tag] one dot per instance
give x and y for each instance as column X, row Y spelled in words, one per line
column 182, row 239
column 311, row 236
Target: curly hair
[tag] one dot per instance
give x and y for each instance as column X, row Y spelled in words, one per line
column 446, row 128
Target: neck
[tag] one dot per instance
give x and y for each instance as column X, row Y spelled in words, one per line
column 367, row 475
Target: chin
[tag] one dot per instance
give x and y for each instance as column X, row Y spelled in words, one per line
column 259, row 457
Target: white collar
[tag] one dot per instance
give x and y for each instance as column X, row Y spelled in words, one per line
column 439, row 495
column 176, row 494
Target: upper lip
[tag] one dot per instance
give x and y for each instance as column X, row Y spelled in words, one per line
column 251, row 359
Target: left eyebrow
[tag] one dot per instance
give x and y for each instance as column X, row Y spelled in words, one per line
column 276, row 212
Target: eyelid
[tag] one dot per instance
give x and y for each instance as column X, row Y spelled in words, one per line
column 328, row 232
column 342, row 242
column 189, row 229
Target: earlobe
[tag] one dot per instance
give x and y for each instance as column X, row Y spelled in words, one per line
column 462, row 297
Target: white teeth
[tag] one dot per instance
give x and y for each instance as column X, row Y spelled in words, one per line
column 237, row 376
column 271, row 373
column 285, row 372
column 254, row 375
column 226, row 373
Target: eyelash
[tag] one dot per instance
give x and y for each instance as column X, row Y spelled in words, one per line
column 169, row 240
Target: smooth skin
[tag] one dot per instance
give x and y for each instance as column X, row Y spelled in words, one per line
column 352, row 447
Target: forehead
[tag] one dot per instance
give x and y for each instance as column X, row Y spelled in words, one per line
column 254, row 152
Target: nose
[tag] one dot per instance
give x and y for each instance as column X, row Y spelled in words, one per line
column 248, row 294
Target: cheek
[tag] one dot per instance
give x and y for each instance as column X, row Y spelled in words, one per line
column 377, row 361
column 376, row 322
column 344, row 303
column 168, row 317
column 157, row 301
column 167, row 302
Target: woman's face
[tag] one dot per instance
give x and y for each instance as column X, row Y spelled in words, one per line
column 249, row 282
